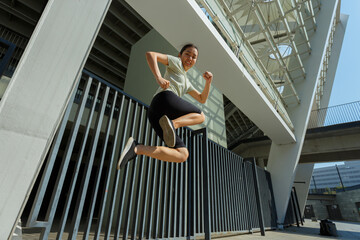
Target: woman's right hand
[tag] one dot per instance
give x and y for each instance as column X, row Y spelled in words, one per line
column 164, row 84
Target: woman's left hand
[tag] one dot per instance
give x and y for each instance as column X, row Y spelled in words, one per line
column 208, row 76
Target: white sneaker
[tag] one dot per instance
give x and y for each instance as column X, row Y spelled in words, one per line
column 168, row 131
column 128, row 153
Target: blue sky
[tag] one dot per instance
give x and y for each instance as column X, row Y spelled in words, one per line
column 346, row 86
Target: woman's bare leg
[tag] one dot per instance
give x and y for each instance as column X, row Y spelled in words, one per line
column 163, row 153
column 188, row 120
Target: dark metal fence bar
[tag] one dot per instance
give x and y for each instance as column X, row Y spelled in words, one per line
column 344, row 113
column 297, row 206
column 290, row 216
column 257, row 195
column 295, row 210
column 17, row 40
column 206, row 183
column 7, row 49
column 293, row 214
column 80, row 194
column 251, row 195
column 268, row 203
column 150, row 162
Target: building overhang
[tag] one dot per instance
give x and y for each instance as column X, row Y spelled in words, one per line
column 181, row 22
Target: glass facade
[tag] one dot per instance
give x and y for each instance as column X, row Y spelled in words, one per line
column 330, row 177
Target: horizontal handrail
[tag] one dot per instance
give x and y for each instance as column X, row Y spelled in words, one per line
column 343, row 113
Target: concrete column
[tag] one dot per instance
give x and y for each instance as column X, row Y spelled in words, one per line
column 283, row 159
column 302, row 183
column 37, row 95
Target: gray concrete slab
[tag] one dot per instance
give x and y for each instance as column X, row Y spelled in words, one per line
column 310, row 230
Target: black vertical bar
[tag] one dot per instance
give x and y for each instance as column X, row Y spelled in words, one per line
column 233, row 191
column 176, row 177
column 192, row 187
column 248, row 206
column 7, row 56
column 170, row 199
column 68, row 151
column 94, row 194
column 186, row 185
column 201, row 181
column 206, row 190
column 85, row 183
column 230, row 189
column 219, row 192
column 152, row 193
column 158, row 195
column 224, row 190
column 198, row 186
column 342, row 184
column 181, row 186
column 239, row 192
column 314, row 183
column 165, row 199
column 140, row 184
column 258, row 196
column 212, row 202
column 125, row 172
column 190, row 219
column 105, row 193
column 150, row 163
column 298, row 206
column 294, row 207
column 117, row 175
column 133, row 175
column 207, row 216
column 61, row 177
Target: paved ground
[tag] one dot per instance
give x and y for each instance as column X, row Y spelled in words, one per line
column 310, row 230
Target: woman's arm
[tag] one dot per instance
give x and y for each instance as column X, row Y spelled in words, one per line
column 202, row 97
column 153, row 58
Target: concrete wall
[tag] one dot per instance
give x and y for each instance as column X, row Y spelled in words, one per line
column 141, row 84
column 346, row 201
column 319, row 207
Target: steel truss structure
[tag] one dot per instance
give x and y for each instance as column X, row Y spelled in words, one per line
column 271, row 38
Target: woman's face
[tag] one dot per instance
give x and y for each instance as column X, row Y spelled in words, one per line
column 188, row 57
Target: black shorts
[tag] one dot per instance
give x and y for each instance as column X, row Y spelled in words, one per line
column 169, row 104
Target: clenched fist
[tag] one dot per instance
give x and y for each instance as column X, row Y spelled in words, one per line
column 208, row 76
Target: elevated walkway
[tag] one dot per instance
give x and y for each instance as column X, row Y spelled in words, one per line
column 333, row 135
column 340, row 142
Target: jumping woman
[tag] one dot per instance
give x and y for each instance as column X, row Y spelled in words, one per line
column 168, row 111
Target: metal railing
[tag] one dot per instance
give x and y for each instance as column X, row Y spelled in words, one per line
column 17, row 43
column 344, row 113
column 293, row 214
column 80, row 194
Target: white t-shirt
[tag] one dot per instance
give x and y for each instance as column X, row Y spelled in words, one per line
column 176, row 74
